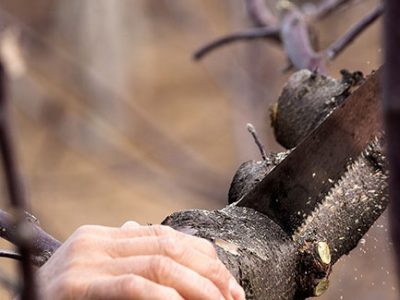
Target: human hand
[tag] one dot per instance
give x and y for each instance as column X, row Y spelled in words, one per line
column 136, row 262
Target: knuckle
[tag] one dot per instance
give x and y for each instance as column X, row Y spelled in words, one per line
column 85, row 229
column 171, row 294
column 78, row 243
column 129, row 284
column 209, row 248
column 218, row 271
column 161, row 267
column 73, row 264
column 161, row 230
column 171, row 247
column 69, row 287
column 208, row 288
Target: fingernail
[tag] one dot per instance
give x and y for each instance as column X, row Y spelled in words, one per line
column 236, row 290
column 129, row 224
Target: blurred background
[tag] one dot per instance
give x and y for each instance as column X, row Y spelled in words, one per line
column 115, row 122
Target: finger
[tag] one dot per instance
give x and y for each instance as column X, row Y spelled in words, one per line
column 181, row 252
column 130, row 287
column 199, row 244
column 167, row 272
column 131, row 231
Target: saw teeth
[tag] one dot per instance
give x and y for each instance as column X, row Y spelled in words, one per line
column 353, row 167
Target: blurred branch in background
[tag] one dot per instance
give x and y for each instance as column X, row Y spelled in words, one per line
column 294, row 32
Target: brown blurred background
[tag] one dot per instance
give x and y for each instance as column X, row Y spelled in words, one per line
column 114, row 121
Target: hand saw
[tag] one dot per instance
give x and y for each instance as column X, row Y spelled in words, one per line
column 291, row 191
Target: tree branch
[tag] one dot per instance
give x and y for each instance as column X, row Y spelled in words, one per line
column 251, row 34
column 343, row 42
column 297, row 41
column 43, row 244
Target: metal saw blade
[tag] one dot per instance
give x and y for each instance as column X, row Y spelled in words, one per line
column 291, row 191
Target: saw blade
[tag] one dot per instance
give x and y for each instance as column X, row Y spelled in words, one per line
column 291, row 191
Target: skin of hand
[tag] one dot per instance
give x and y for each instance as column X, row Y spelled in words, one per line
column 136, row 262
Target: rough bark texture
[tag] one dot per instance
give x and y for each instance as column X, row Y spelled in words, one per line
column 306, row 100
column 252, row 172
column 252, row 246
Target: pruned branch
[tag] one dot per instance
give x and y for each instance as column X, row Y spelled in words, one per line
column 251, row 34
column 343, row 42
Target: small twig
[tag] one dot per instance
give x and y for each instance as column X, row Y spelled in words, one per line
column 260, row 145
column 327, row 8
column 10, row 254
column 260, row 14
column 339, row 45
column 251, row 34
